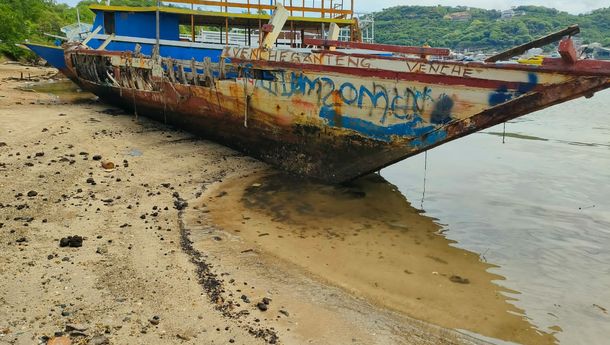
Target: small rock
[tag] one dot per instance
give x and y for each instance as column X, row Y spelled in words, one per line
column 183, row 337
column 107, row 165
column 285, row 313
column 262, row 306
column 99, row 340
column 154, row 320
column 71, row 241
column 32, row 193
column 76, row 327
column 266, row 300
column 180, row 204
column 102, row 250
column 459, row 280
column 97, row 158
column 59, row 341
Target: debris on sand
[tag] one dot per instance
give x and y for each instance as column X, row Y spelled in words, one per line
column 459, row 280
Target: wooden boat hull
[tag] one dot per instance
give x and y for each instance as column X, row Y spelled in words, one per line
column 327, row 115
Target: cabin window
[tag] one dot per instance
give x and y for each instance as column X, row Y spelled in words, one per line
column 109, row 23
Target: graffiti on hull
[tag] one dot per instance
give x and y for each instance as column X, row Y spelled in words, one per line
column 373, row 109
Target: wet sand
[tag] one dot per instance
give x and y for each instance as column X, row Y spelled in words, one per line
column 153, row 267
column 367, row 239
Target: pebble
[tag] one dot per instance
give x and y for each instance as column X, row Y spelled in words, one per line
column 262, row 306
column 97, row 158
column 99, row 340
column 76, row 327
column 32, row 193
column 154, row 320
column 59, row 341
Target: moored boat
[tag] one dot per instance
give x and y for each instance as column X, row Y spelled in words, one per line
column 321, row 107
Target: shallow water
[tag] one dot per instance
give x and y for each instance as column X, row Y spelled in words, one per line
column 537, row 206
column 62, row 91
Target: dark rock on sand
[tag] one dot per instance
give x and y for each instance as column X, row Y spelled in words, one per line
column 180, row 204
column 459, row 280
column 71, row 241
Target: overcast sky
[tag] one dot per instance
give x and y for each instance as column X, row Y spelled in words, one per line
column 572, row 6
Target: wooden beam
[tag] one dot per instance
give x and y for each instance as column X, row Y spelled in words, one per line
column 280, row 15
column 519, row 50
column 378, row 47
column 227, row 5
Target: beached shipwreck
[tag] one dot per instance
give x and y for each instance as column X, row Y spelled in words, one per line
column 321, row 107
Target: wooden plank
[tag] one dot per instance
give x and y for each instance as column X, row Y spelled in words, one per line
column 277, row 22
column 378, row 47
column 519, row 50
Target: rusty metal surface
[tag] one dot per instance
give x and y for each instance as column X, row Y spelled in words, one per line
column 327, row 116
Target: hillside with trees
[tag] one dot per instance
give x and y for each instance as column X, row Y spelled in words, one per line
column 474, row 28
column 442, row 26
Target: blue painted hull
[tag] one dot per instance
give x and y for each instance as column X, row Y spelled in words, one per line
column 178, row 53
column 53, row 55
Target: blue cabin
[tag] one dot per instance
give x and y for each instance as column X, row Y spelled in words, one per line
column 194, row 34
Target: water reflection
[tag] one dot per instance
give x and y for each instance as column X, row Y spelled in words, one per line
column 63, row 91
column 537, row 208
column 368, row 239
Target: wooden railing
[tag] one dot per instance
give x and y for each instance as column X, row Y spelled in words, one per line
column 334, row 9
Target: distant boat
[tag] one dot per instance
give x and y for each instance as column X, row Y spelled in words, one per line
column 596, row 51
column 289, row 91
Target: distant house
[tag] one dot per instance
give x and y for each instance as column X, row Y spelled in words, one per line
column 458, row 16
column 508, row 14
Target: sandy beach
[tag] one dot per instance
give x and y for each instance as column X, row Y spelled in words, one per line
column 176, row 240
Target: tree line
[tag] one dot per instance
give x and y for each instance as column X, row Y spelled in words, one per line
column 483, row 29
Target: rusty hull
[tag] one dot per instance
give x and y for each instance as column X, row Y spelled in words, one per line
column 287, row 114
